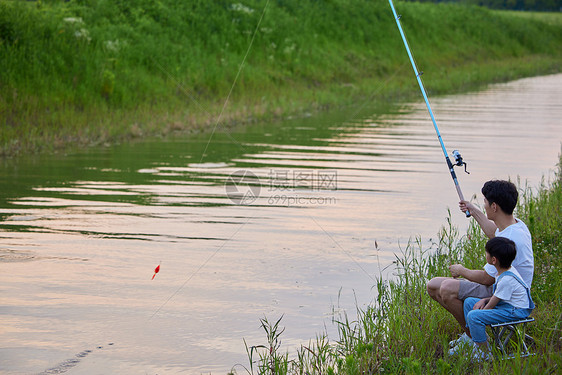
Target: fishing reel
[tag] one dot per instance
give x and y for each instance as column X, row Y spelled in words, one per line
column 458, row 160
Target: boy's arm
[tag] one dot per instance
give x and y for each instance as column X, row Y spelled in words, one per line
column 487, row 225
column 478, row 276
column 492, row 303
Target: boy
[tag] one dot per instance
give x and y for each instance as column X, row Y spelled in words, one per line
column 511, row 299
column 500, row 199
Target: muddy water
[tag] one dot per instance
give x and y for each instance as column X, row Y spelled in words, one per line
column 265, row 220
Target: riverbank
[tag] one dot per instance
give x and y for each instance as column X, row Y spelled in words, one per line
column 94, row 72
column 406, row 332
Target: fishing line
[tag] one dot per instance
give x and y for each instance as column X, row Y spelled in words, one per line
column 242, row 64
column 342, row 249
column 458, row 158
column 190, row 96
column 199, row 269
column 235, row 80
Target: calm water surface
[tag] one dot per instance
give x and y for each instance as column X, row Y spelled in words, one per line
column 269, row 220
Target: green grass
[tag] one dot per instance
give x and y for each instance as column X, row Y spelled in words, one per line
column 552, row 18
column 86, row 72
column 405, row 332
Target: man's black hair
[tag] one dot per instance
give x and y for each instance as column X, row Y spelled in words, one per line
column 503, row 249
column 503, row 193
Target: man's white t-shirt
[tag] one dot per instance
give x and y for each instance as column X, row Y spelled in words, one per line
column 523, row 262
column 509, row 290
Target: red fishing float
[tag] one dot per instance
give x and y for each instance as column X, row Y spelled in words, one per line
column 156, row 270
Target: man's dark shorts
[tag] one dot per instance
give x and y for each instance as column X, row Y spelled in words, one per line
column 472, row 289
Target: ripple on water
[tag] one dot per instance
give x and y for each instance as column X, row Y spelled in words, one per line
column 12, row 256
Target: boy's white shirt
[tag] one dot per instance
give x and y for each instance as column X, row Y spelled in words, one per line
column 523, row 262
column 509, row 290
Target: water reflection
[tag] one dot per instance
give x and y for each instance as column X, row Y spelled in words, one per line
column 82, row 233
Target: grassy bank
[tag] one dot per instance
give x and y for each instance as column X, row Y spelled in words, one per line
column 406, row 332
column 86, row 72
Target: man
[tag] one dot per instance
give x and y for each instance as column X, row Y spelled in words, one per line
column 500, row 199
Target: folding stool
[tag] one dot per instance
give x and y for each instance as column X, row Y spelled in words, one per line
column 503, row 332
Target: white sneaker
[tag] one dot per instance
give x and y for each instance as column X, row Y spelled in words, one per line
column 479, row 355
column 463, row 347
column 464, row 338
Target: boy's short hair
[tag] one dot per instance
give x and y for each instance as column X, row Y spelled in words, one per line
column 503, row 249
column 503, row 193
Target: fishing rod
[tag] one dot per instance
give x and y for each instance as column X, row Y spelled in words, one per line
column 456, row 154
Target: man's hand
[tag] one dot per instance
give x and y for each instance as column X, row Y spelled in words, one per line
column 487, row 225
column 480, row 304
column 466, row 206
column 456, row 270
column 477, row 276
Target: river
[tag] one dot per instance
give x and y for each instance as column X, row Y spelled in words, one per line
column 264, row 220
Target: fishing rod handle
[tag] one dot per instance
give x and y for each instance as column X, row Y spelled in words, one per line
column 457, row 186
